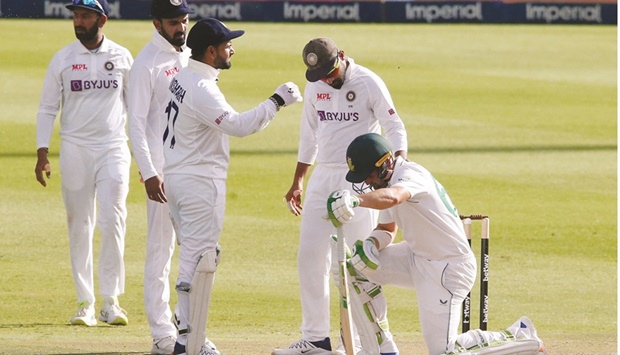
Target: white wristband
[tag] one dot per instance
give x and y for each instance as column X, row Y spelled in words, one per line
column 382, row 237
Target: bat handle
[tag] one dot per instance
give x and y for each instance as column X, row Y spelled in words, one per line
column 342, row 254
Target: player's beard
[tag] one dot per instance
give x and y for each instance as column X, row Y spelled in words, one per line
column 177, row 39
column 85, row 34
column 337, row 83
column 222, row 63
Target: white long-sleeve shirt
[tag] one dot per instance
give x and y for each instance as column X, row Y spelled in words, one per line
column 200, row 121
column 332, row 118
column 150, row 76
column 92, row 88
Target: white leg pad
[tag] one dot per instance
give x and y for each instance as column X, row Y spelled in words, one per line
column 518, row 347
column 199, row 297
column 366, row 328
column 495, row 343
column 369, row 310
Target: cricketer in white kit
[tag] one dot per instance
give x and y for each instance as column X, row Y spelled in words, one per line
column 341, row 101
column 150, row 76
column 89, row 79
column 197, row 154
column 434, row 258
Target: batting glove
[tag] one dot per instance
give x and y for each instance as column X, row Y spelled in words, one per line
column 365, row 256
column 287, row 94
column 340, row 205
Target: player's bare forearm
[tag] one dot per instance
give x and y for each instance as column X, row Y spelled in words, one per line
column 382, row 199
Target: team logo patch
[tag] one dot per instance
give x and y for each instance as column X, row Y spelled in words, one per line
column 176, row 2
column 108, row 66
column 350, row 164
column 351, row 96
column 312, row 59
column 391, row 111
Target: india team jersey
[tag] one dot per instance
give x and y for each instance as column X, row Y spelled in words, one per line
column 149, row 80
column 332, row 118
column 199, row 122
column 91, row 87
column 428, row 220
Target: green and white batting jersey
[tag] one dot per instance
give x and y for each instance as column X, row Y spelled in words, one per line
column 429, row 222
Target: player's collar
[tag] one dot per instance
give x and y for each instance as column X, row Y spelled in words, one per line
column 204, row 69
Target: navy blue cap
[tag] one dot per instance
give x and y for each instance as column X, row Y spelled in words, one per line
column 210, row 32
column 170, row 8
column 100, row 6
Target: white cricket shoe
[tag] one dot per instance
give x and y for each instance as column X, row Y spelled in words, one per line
column 112, row 313
column 306, row 348
column 527, row 330
column 163, row 346
column 208, row 348
column 85, row 315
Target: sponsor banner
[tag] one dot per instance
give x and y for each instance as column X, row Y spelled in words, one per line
column 495, row 12
column 459, row 11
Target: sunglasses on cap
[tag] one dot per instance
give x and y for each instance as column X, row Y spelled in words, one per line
column 334, row 71
column 93, row 3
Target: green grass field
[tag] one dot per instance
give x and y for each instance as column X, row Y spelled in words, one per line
column 517, row 122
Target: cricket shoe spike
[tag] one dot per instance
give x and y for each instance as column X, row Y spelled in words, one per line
column 321, row 347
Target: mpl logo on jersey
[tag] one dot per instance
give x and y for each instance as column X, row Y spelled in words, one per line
column 83, row 85
column 172, row 72
column 79, row 67
column 323, row 97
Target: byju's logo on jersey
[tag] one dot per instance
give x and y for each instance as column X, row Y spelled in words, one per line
column 76, row 85
column 337, row 116
column 83, row 85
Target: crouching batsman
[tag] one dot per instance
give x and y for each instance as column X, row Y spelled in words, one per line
column 434, row 258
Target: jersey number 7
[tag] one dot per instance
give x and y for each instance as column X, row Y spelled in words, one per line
column 170, row 127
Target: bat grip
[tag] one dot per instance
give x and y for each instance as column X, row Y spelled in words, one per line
column 340, row 243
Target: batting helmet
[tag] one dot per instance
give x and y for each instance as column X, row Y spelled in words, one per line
column 366, row 153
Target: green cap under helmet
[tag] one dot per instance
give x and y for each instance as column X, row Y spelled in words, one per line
column 365, row 154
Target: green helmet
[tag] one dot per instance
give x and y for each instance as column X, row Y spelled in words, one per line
column 366, row 153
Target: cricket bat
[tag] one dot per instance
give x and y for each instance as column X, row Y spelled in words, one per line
column 346, row 324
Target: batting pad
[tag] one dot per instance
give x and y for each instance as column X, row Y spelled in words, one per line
column 199, row 297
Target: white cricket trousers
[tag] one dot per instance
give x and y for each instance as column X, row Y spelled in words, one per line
column 95, row 183
column 441, row 286
column 197, row 206
column 314, row 254
column 160, row 244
